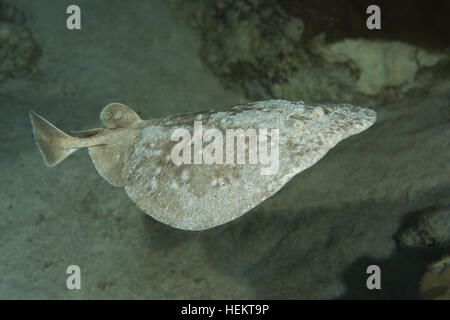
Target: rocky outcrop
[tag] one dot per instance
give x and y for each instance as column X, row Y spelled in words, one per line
column 18, row 49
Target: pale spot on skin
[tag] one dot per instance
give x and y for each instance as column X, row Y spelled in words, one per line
column 185, row 175
column 174, row 185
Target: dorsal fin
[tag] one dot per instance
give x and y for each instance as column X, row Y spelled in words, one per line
column 116, row 115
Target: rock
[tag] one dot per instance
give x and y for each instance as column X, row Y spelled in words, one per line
column 18, row 49
column 409, row 21
column 435, row 283
column 381, row 64
column 11, row 14
column 430, row 229
column 250, row 45
column 256, row 47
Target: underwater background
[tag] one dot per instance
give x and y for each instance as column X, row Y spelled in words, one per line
column 378, row 198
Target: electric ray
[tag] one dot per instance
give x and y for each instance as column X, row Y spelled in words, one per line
column 206, row 180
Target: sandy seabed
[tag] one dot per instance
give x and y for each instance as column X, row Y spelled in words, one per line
column 314, row 239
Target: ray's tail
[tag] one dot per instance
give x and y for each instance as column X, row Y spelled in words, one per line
column 54, row 144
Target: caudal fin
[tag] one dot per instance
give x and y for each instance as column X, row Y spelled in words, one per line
column 52, row 142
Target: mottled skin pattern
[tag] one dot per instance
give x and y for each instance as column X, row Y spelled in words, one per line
column 136, row 154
